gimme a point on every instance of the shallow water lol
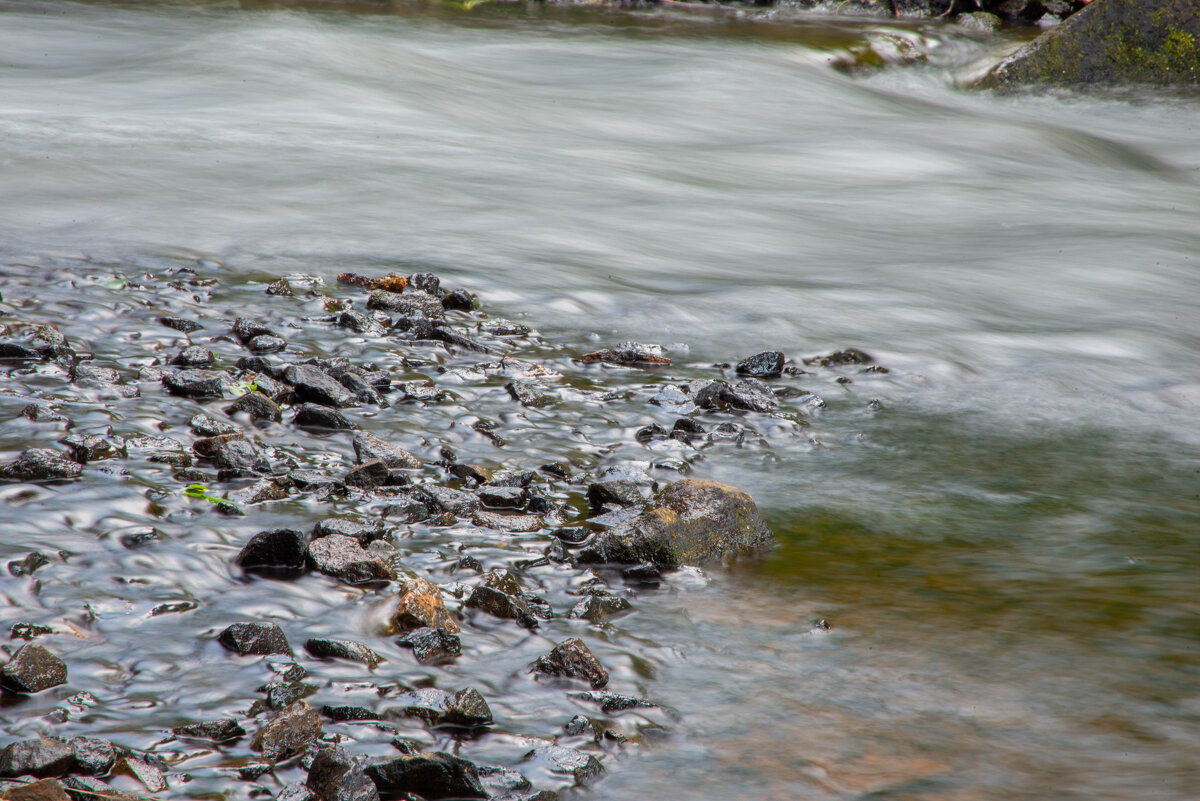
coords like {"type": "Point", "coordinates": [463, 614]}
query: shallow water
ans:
{"type": "Point", "coordinates": [1006, 551]}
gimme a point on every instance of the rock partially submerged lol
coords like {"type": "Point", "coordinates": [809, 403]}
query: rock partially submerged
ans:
{"type": "Point", "coordinates": [288, 733]}
{"type": "Point", "coordinates": [430, 776]}
{"type": "Point", "coordinates": [572, 659]}
{"type": "Point", "coordinates": [692, 521]}
{"type": "Point", "coordinates": [33, 669]}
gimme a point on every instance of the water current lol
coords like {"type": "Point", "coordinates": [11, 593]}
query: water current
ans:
{"type": "Point", "coordinates": [1005, 548]}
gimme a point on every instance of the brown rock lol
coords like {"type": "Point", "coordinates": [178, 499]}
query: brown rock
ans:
{"type": "Point", "coordinates": [41, 790]}
{"type": "Point", "coordinates": [573, 659]}
{"type": "Point", "coordinates": [288, 733]}
{"type": "Point", "coordinates": [420, 605]}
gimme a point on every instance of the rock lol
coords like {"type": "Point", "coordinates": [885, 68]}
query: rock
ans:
{"type": "Point", "coordinates": [690, 522]}
{"type": "Point", "coordinates": [346, 713]}
{"type": "Point", "coordinates": [425, 282]}
{"type": "Point", "coordinates": [1111, 42]}
{"type": "Point", "coordinates": [612, 702]}
{"type": "Point", "coordinates": [217, 731]}
{"type": "Point", "coordinates": [150, 775]}
{"type": "Point", "coordinates": [367, 446]}
{"type": "Point", "coordinates": [91, 376]}
{"type": "Point", "coordinates": [33, 669]}
{"type": "Point", "coordinates": [92, 755]}
{"type": "Point", "coordinates": [650, 433]}
{"type": "Point", "coordinates": [369, 475]}
{"type": "Point", "coordinates": [408, 304]}
{"type": "Point", "coordinates": [472, 472]}
{"type": "Point", "coordinates": [42, 757]}
{"type": "Point", "coordinates": [686, 429]}
{"type": "Point", "coordinates": [978, 21]}
{"type": "Point", "coordinates": [45, 414]}
{"type": "Point", "coordinates": [456, 502]}
{"type": "Point", "coordinates": [361, 323]}
{"type": "Point", "coordinates": [296, 792]}
{"type": "Point", "coordinates": [343, 649]}
{"type": "Point", "coordinates": [431, 776]}
{"type": "Point", "coordinates": [161, 450]}
{"type": "Point", "coordinates": [432, 646]}
{"type": "Point", "coordinates": [314, 385]}
{"type": "Point", "coordinates": [257, 405]}
{"type": "Point", "coordinates": [265, 343]}
{"type": "Point", "coordinates": [619, 493]}
{"type": "Point", "coordinates": [86, 448]}
{"type": "Point", "coordinates": [749, 394]}
{"type": "Point", "coordinates": [313, 415]}
{"type": "Point", "coordinates": [264, 490]}
{"type": "Point", "coordinates": [257, 639]}
{"type": "Point", "coordinates": [406, 509]}
{"type": "Point", "coordinates": [420, 604]}
{"type": "Point", "coordinates": [194, 383]}
{"type": "Point", "coordinates": [768, 364]}
{"type": "Point", "coordinates": [335, 775]}
{"type": "Point", "coordinates": [281, 549]}
{"type": "Point", "coordinates": [504, 580]}
{"type": "Point", "coordinates": [459, 300]}
{"type": "Point", "coordinates": [344, 558]}
{"type": "Point", "coordinates": [365, 531]}
{"type": "Point", "coordinates": [579, 765]}
{"type": "Point", "coordinates": [840, 358]}
{"type": "Point", "coordinates": [282, 287]}
{"type": "Point", "coordinates": [573, 659]}
{"type": "Point", "coordinates": [40, 790]}
{"type": "Point", "coordinates": [28, 565]}
{"type": "Point", "coordinates": [205, 425]}
{"type": "Point", "coordinates": [466, 708]}
{"type": "Point", "coordinates": [288, 733]}
{"type": "Point", "coordinates": [502, 605]}
{"type": "Point", "coordinates": [527, 395]}
{"type": "Point", "coordinates": [599, 607]}
{"type": "Point", "coordinates": [41, 464]}
{"type": "Point", "coordinates": [246, 329]}
{"type": "Point", "coordinates": [510, 523]}
{"type": "Point", "coordinates": [193, 356]}
{"type": "Point", "coordinates": [1024, 12]}
{"type": "Point", "coordinates": [235, 456]}
{"type": "Point", "coordinates": [180, 324]}
{"type": "Point", "coordinates": [363, 391]}
{"type": "Point", "coordinates": [632, 354]}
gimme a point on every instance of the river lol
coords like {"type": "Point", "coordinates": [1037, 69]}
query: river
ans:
{"type": "Point", "coordinates": [1005, 547]}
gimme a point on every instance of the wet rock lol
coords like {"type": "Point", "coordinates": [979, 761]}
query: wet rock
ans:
{"type": "Point", "coordinates": [180, 324]}
{"type": "Point", "coordinates": [336, 775]}
{"type": "Point", "coordinates": [40, 790]}
{"type": "Point", "coordinates": [690, 522]}
{"type": "Point", "coordinates": [406, 509]}
{"type": "Point", "coordinates": [282, 288]}
{"type": "Point", "coordinates": [257, 639]}
{"type": "Point", "coordinates": [246, 329]}
{"type": "Point", "coordinates": [218, 731]}
{"type": "Point", "coordinates": [28, 565]}
{"type": "Point", "coordinates": [768, 364]}
{"type": "Point", "coordinates": [431, 776]}
{"type": "Point", "coordinates": [45, 414]}
{"type": "Point", "coordinates": [361, 323]}
{"type": "Point", "coordinates": [151, 776]}
{"type": "Point", "coordinates": [599, 607]}
{"type": "Point", "coordinates": [423, 391]}
{"type": "Point", "coordinates": [432, 646]}
{"type": "Point", "coordinates": [420, 604]}
{"type": "Point", "coordinates": [686, 430]}
{"type": "Point", "coordinates": [281, 549]}
{"type": "Point", "coordinates": [33, 669]}
{"type": "Point", "coordinates": [369, 475]}
{"type": "Point", "coordinates": [161, 450]}
{"type": "Point", "coordinates": [313, 415]}
{"type": "Point", "coordinates": [527, 395]}
{"type": "Point", "coordinates": [264, 490]}
{"type": "Point", "coordinates": [572, 535]}
{"type": "Point", "coordinates": [632, 354]}
{"type": "Point", "coordinates": [465, 708]}
{"type": "Point", "coordinates": [749, 394]}
{"type": "Point", "coordinates": [90, 376]}
{"type": "Point", "coordinates": [840, 358]}
{"type": "Point", "coordinates": [314, 385]}
{"type": "Point", "coordinates": [367, 446]}
{"type": "Point", "coordinates": [314, 481]}
{"type": "Point", "coordinates": [195, 383]}
{"type": "Point", "coordinates": [619, 493]}
{"type": "Point", "coordinates": [42, 757]}
{"type": "Point", "coordinates": [288, 733]}
{"type": "Point", "coordinates": [408, 304]}
{"type": "Point", "coordinates": [193, 356]}
{"type": "Point", "coordinates": [502, 605]}
{"type": "Point", "coordinates": [509, 523]}
{"type": "Point", "coordinates": [579, 765]}
{"type": "Point", "coordinates": [365, 531]}
{"type": "Point", "coordinates": [41, 464]}
{"type": "Point", "coordinates": [347, 713]}
{"type": "Point", "coordinates": [425, 282]}
{"type": "Point", "coordinates": [257, 405]}
{"type": "Point", "coordinates": [502, 497]}
{"type": "Point", "coordinates": [266, 343]}
{"type": "Point", "coordinates": [282, 694]}
{"type": "Point", "coordinates": [16, 351]}
{"type": "Point", "coordinates": [205, 425]}
{"type": "Point", "coordinates": [86, 448]}
{"type": "Point", "coordinates": [28, 631]}
{"type": "Point", "coordinates": [235, 456]}
{"type": "Point", "coordinates": [363, 391]}
{"type": "Point", "coordinates": [456, 502]}
{"type": "Point", "coordinates": [471, 472]}
{"type": "Point", "coordinates": [459, 300]}
{"type": "Point", "coordinates": [978, 21]}
{"type": "Point", "coordinates": [92, 755]}
{"type": "Point", "coordinates": [650, 433]}
{"type": "Point", "coordinates": [573, 659]}
{"type": "Point", "coordinates": [612, 702]}
{"type": "Point", "coordinates": [504, 580]}
{"type": "Point", "coordinates": [344, 558]}
{"type": "Point", "coordinates": [343, 649]}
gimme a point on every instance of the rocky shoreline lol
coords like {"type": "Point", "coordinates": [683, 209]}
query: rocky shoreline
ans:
{"type": "Point", "coordinates": [601, 533]}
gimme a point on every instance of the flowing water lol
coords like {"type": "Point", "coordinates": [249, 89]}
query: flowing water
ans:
{"type": "Point", "coordinates": [1006, 550]}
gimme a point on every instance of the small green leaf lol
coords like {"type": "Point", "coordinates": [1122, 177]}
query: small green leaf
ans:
{"type": "Point", "coordinates": [116, 283]}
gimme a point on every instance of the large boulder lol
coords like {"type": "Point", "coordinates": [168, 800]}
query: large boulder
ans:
{"type": "Point", "coordinates": [690, 522]}
{"type": "Point", "coordinates": [1111, 41]}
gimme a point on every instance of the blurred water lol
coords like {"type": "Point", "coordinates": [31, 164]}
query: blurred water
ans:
{"type": "Point", "coordinates": [1007, 552]}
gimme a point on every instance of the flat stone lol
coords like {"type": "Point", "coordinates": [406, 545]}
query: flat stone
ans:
{"type": "Point", "coordinates": [288, 733]}
{"type": "Point", "coordinates": [622, 493]}
{"type": "Point", "coordinates": [420, 604]}
{"type": "Point", "coordinates": [33, 669]}
{"type": "Point", "coordinates": [265, 343]}
{"type": "Point", "coordinates": [365, 531]}
{"type": "Point", "coordinates": [579, 765]}
{"type": "Point", "coordinates": [572, 659]}
{"type": "Point", "coordinates": [41, 757]}
{"type": "Point", "coordinates": [456, 502]}
{"type": "Point", "coordinates": [369, 475]}
{"type": "Point", "coordinates": [768, 364]}
{"type": "Point", "coordinates": [217, 731]}
{"type": "Point", "coordinates": [494, 497]}
{"type": "Point", "coordinates": [281, 549]}
{"type": "Point", "coordinates": [630, 354]}
{"type": "Point", "coordinates": [41, 464]}
{"type": "Point", "coordinates": [432, 646]}
{"type": "Point", "coordinates": [344, 558]}
{"type": "Point", "coordinates": [509, 523]}
{"type": "Point", "coordinates": [367, 446]}
{"type": "Point", "coordinates": [180, 324]}
{"type": "Point", "coordinates": [257, 639]}
{"type": "Point", "coordinates": [314, 385]}
{"type": "Point", "coordinates": [314, 415]}
{"type": "Point", "coordinates": [431, 776]}
{"type": "Point", "coordinates": [195, 383]}
{"type": "Point", "coordinates": [409, 304]}
{"type": "Point", "coordinates": [343, 649]}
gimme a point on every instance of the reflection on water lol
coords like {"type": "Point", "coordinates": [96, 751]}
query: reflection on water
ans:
{"type": "Point", "coordinates": [1006, 551]}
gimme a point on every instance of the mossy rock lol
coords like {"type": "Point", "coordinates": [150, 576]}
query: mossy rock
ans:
{"type": "Point", "coordinates": [1111, 42]}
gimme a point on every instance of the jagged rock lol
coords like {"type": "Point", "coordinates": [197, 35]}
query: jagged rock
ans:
{"type": "Point", "coordinates": [599, 607]}
{"type": "Point", "coordinates": [265, 343]}
{"type": "Point", "coordinates": [257, 405]}
{"type": "Point", "coordinates": [193, 356]}
{"type": "Point", "coordinates": [92, 755]}
{"type": "Point", "coordinates": [441, 708]}
{"type": "Point", "coordinates": [344, 558]}
{"type": "Point", "coordinates": [422, 391]}
{"type": "Point", "coordinates": [369, 475]}
{"type": "Point", "coordinates": [426, 282]}
{"type": "Point", "coordinates": [612, 702]}
{"type": "Point", "coordinates": [432, 646]}
{"type": "Point", "coordinates": [749, 394]}
{"type": "Point", "coordinates": [282, 287]}
{"type": "Point", "coordinates": [314, 415]}
{"type": "Point", "coordinates": [148, 774]}
{"type": "Point", "coordinates": [217, 731]}
{"type": "Point", "coordinates": [281, 549]}
{"type": "Point", "coordinates": [408, 304]}
{"type": "Point", "coordinates": [45, 414]}
{"type": "Point", "coordinates": [314, 385]}
{"type": "Point", "coordinates": [258, 639]}
{"type": "Point", "coordinates": [235, 456]}
{"type": "Point", "coordinates": [267, 489]}
{"type": "Point", "coordinates": [622, 493]}
{"type": "Point", "coordinates": [527, 395]}
{"type": "Point", "coordinates": [690, 522]}
{"type": "Point", "coordinates": [336, 775]}
{"type": "Point", "coordinates": [420, 604]}
{"type": "Point", "coordinates": [33, 669]}
{"type": "Point", "coordinates": [768, 364]}
{"type": "Point", "coordinates": [296, 792]}
{"type": "Point", "coordinates": [347, 712]}
{"type": "Point", "coordinates": [573, 659]}
{"type": "Point", "coordinates": [180, 324]}
{"type": "Point", "coordinates": [361, 323]}
{"type": "Point", "coordinates": [205, 425]}
{"type": "Point", "coordinates": [579, 765]}
{"type": "Point", "coordinates": [503, 605]}
{"type": "Point", "coordinates": [687, 429]}
{"type": "Point", "coordinates": [632, 354]}
{"type": "Point", "coordinates": [367, 446]}
{"type": "Point", "coordinates": [431, 776]}
{"type": "Point", "coordinates": [42, 757]}
{"type": "Point", "coordinates": [456, 502]}
{"type": "Point", "coordinates": [504, 580]}
{"type": "Point", "coordinates": [41, 464]}
{"type": "Point", "coordinates": [40, 790]}
{"type": "Point", "coordinates": [343, 649]}
{"type": "Point", "coordinates": [287, 733]}
{"type": "Point", "coordinates": [365, 531]}
{"type": "Point", "coordinates": [194, 383]}
{"type": "Point", "coordinates": [86, 448]}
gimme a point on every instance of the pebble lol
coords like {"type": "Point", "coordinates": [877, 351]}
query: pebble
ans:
{"type": "Point", "coordinates": [258, 639]}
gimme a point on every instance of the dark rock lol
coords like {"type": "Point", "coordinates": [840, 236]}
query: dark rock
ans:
{"type": "Point", "coordinates": [343, 649]}
{"type": "Point", "coordinates": [44, 414]}
{"type": "Point", "coordinates": [978, 21]}
{"type": "Point", "coordinates": [632, 354]}
{"type": "Point", "coordinates": [423, 391]}
{"type": "Point", "coordinates": [282, 287]}
{"type": "Point", "coordinates": [92, 755]}
{"type": "Point", "coordinates": [33, 669]}
{"type": "Point", "coordinates": [205, 425]}
{"type": "Point", "coordinates": [466, 708]}
{"type": "Point", "coordinates": [840, 358]}
{"type": "Point", "coordinates": [180, 324]}
{"type": "Point", "coordinates": [28, 565]}
{"type": "Point", "coordinates": [503, 605]}
{"type": "Point", "coordinates": [431, 776]}
{"type": "Point", "coordinates": [365, 531]}
{"type": "Point", "coordinates": [579, 765]}
{"type": "Point", "coordinates": [459, 300]}
{"type": "Point", "coordinates": [42, 757]}
{"type": "Point", "coordinates": [420, 604]}
{"type": "Point", "coordinates": [296, 792]}
{"type": "Point", "coordinates": [41, 464]}
{"type": "Point", "coordinates": [161, 450]}
{"type": "Point", "coordinates": [361, 323]}
{"type": "Point", "coordinates": [28, 631]}
{"type": "Point", "coordinates": [265, 343]}
{"type": "Point", "coordinates": [690, 522]}
{"type": "Point", "coordinates": [573, 659]}
{"type": "Point", "coordinates": [1021, 11]}
{"type": "Point", "coordinates": [749, 394]}
{"type": "Point", "coordinates": [471, 472]}
{"type": "Point", "coordinates": [313, 481]}
{"type": "Point", "coordinates": [650, 433]}
{"type": "Point", "coordinates": [369, 475]}
{"type": "Point", "coordinates": [344, 558]}
{"type": "Point", "coordinates": [509, 523]}
{"type": "Point", "coordinates": [256, 364]}
{"type": "Point", "coordinates": [527, 395]}
{"type": "Point", "coordinates": [706, 393]}
{"type": "Point", "coordinates": [572, 535]}
{"type": "Point", "coordinates": [316, 386]}
{"type": "Point", "coordinates": [86, 448]}
{"type": "Point", "coordinates": [686, 429]}
{"type": "Point", "coordinates": [620, 493]}
{"type": "Point", "coordinates": [281, 694]}
{"type": "Point", "coordinates": [257, 405]}
{"type": "Point", "coordinates": [504, 580]}
{"type": "Point", "coordinates": [432, 646]}
{"type": "Point", "coordinates": [258, 639]}
{"type": "Point", "coordinates": [409, 304]}
{"type": "Point", "coordinates": [425, 282]}
{"type": "Point", "coordinates": [768, 364]}
{"type": "Point", "coordinates": [234, 455]}
{"type": "Point", "coordinates": [196, 383]}
{"type": "Point", "coordinates": [335, 775]}
{"type": "Point", "coordinates": [193, 356]}
{"type": "Point", "coordinates": [16, 351]}
{"type": "Point", "coordinates": [40, 790]}
{"type": "Point", "coordinates": [456, 502]}
{"type": "Point", "coordinates": [599, 607]}
{"type": "Point", "coordinates": [150, 775]}
{"type": "Point", "coordinates": [281, 549]}
{"type": "Point", "coordinates": [246, 329]}
{"type": "Point", "coordinates": [367, 446]}
{"type": "Point", "coordinates": [363, 391]}
{"type": "Point", "coordinates": [264, 490]}
{"type": "Point", "coordinates": [288, 733]}
{"type": "Point", "coordinates": [217, 731]}
{"type": "Point", "coordinates": [313, 415]}
{"type": "Point", "coordinates": [347, 713]}
{"type": "Point", "coordinates": [612, 702]}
